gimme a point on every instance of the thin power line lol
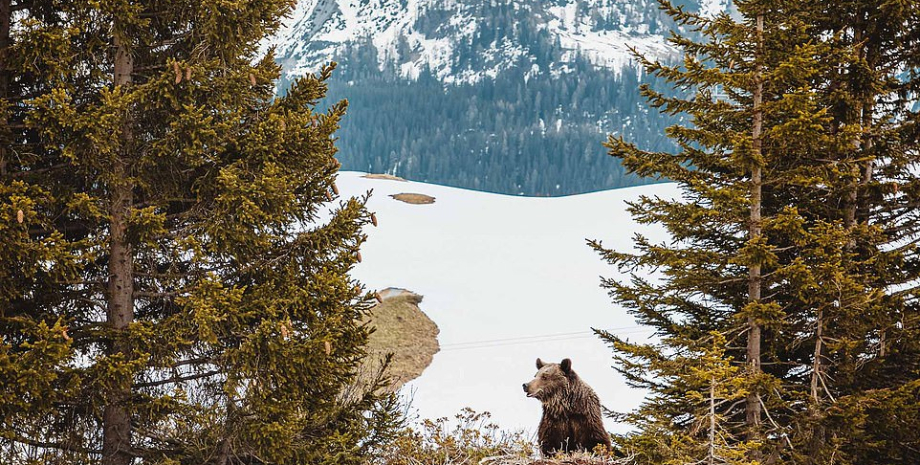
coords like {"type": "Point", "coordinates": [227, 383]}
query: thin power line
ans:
{"type": "Point", "coordinates": [522, 338]}
{"type": "Point", "coordinates": [537, 339]}
{"type": "Point", "coordinates": [539, 336]}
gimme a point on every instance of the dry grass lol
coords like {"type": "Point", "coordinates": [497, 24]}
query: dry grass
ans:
{"type": "Point", "coordinates": [405, 331]}
{"type": "Point", "coordinates": [572, 459]}
{"type": "Point", "coordinates": [415, 199]}
{"type": "Point", "coordinates": [468, 439]}
{"type": "Point", "coordinates": [388, 177]}
{"type": "Point", "coordinates": [471, 438]}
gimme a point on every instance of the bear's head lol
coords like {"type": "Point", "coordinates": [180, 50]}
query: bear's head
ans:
{"type": "Point", "coordinates": [551, 378]}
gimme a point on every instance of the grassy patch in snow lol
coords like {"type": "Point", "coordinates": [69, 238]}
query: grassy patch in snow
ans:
{"type": "Point", "coordinates": [388, 177]}
{"type": "Point", "coordinates": [415, 199]}
{"type": "Point", "coordinates": [404, 330]}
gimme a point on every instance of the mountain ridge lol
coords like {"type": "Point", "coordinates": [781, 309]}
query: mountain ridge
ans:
{"type": "Point", "coordinates": [601, 30]}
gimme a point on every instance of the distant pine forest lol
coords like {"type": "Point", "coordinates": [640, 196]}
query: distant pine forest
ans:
{"type": "Point", "coordinates": [521, 133]}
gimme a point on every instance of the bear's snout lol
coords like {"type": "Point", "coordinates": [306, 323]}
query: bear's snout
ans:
{"type": "Point", "coordinates": [532, 389]}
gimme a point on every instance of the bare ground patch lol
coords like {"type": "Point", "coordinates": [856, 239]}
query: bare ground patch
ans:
{"type": "Point", "coordinates": [415, 199]}
{"type": "Point", "coordinates": [573, 459]}
{"type": "Point", "coordinates": [388, 177]}
{"type": "Point", "coordinates": [405, 331]}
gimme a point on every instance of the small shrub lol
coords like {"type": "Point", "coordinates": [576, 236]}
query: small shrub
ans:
{"type": "Point", "coordinates": [470, 439]}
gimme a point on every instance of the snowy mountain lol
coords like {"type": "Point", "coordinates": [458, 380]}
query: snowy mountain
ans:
{"type": "Point", "coordinates": [504, 96]}
{"type": "Point", "coordinates": [506, 279]}
{"type": "Point", "coordinates": [417, 35]}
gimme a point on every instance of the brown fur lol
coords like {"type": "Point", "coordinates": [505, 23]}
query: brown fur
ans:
{"type": "Point", "coordinates": [571, 410]}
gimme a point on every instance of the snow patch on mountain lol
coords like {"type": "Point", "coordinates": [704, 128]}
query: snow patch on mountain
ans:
{"type": "Point", "coordinates": [711, 8]}
{"type": "Point", "coordinates": [609, 48]}
{"type": "Point", "coordinates": [417, 35]}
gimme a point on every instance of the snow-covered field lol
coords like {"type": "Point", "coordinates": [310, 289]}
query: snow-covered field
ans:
{"type": "Point", "coordinates": [507, 279]}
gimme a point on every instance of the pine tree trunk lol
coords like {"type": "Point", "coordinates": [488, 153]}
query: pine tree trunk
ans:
{"type": "Point", "coordinates": [116, 443]}
{"type": "Point", "coordinates": [816, 364]}
{"type": "Point", "coordinates": [6, 11]}
{"type": "Point", "coordinates": [752, 404]}
{"type": "Point", "coordinates": [852, 194]}
{"type": "Point", "coordinates": [816, 437]}
{"type": "Point", "coordinates": [857, 209]}
{"type": "Point", "coordinates": [882, 342]}
{"type": "Point", "coordinates": [868, 168]}
{"type": "Point", "coordinates": [712, 421]}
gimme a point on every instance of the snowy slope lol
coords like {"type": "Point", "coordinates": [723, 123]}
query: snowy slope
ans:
{"type": "Point", "coordinates": [511, 270]}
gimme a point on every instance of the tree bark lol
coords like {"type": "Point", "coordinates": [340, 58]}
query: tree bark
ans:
{"type": "Point", "coordinates": [6, 11]}
{"type": "Point", "coordinates": [816, 365]}
{"type": "Point", "coordinates": [712, 421]}
{"type": "Point", "coordinates": [752, 403]}
{"type": "Point", "coordinates": [857, 208]}
{"type": "Point", "coordinates": [116, 442]}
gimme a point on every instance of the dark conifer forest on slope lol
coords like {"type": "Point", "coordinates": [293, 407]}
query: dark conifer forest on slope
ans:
{"type": "Point", "coordinates": [537, 136]}
{"type": "Point", "coordinates": [535, 128]}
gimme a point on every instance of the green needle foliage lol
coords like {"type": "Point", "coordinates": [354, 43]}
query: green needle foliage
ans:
{"type": "Point", "coordinates": [172, 288]}
{"type": "Point", "coordinates": [793, 242]}
{"type": "Point", "coordinates": [871, 351]}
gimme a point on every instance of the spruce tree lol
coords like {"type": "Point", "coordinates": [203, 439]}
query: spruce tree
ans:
{"type": "Point", "coordinates": [835, 246]}
{"type": "Point", "coordinates": [173, 290]}
{"type": "Point", "coordinates": [869, 352]}
{"type": "Point", "coordinates": [33, 352]}
{"type": "Point", "coordinates": [734, 265]}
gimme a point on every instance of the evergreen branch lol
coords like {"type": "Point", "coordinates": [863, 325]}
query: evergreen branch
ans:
{"type": "Point", "coordinates": [78, 282]}
{"type": "Point", "coordinates": [775, 425]}
{"type": "Point", "coordinates": [18, 438]}
{"type": "Point", "coordinates": [195, 361]}
{"type": "Point", "coordinates": [155, 295]}
{"type": "Point", "coordinates": [36, 171]}
{"type": "Point", "coordinates": [178, 379]}
{"type": "Point", "coordinates": [826, 389]}
{"type": "Point", "coordinates": [92, 302]}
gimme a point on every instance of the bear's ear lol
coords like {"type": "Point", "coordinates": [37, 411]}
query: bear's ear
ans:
{"type": "Point", "coordinates": [539, 363]}
{"type": "Point", "coordinates": [566, 366]}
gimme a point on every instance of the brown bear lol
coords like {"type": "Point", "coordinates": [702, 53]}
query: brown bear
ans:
{"type": "Point", "coordinates": [571, 410]}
